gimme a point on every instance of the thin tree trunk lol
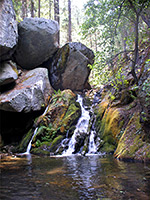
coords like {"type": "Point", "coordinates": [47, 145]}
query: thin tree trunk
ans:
{"type": "Point", "coordinates": [56, 17]}
{"type": "Point", "coordinates": [39, 8]}
{"type": "Point", "coordinates": [136, 50]}
{"type": "Point", "coordinates": [23, 9]}
{"type": "Point", "coordinates": [50, 9]}
{"type": "Point", "coordinates": [26, 8]}
{"type": "Point", "coordinates": [69, 21]}
{"type": "Point", "coordinates": [32, 8]}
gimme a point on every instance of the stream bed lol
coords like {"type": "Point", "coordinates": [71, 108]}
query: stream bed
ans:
{"type": "Point", "coordinates": [73, 177]}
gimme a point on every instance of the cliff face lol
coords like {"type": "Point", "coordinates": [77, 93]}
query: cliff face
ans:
{"type": "Point", "coordinates": [123, 113]}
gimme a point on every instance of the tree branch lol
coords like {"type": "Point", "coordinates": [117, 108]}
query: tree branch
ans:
{"type": "Point", "coordinates": [129, 51]}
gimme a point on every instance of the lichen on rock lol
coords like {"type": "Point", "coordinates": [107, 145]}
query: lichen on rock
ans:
{"type": "Point", "coordinates": [132, 144]}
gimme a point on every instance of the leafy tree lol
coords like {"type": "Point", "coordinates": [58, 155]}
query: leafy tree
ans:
{"type": "Point", "coordinates": [114, 21]}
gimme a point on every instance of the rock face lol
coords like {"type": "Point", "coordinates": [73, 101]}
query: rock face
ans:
{"type": "Point", "coordinates": [8, 73]}
{"type": "Point", "coordinates": [30, 93]}
{"type": "Point", "coordinates": [37, 42]}
{"type": "Point", "coordinates": [132, 144]}
{"type": "Point", "coordinates": [123, 127]}
{"type": "Point", "coordinates": [69, 69]}
{"type": "Point", "coordinates": [58, 121]}
{"type": "Point", "coordinates": [8, 27]}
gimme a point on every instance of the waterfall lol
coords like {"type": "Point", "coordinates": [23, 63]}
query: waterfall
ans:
{"type": "Point", "coordinates": [92, 145]}
{"type": "Point", "coordinates": [29, 145]}
{"type": "Point", "coordinates": [35, 131]}
{"type": "Point", "coordinates": [81, 128]}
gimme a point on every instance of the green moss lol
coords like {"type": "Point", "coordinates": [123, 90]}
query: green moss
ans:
{"type": "Point", "coordinates": [25, 141]}
{"type": "Point", "coordinates": [57, 140]}
{"type": "Point", "coordinates": [131, 145]}
{"type": "Point", "coordinates": [38, 151]}
{"type": "Point", "coordinates": [108, 148]}
{"type": "Point", "coordinates": [60, 119]}
{"type": "Point", "coordinates": [109, 139]}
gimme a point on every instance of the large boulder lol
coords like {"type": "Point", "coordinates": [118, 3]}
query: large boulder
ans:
{"type": "Point", "coordinates": [8, 73]}
{"type": "Point", "coordinates": [37, 42]}
{"type": "Point", "coordinates": [69, 69]}
{"type": "Point", "coordinates": [30, 93]}
{"type": "Point", "coordinates": [8, 27]}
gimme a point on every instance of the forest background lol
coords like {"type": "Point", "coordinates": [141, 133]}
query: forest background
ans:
{"type": "Point", "coordinates": [113, 29]}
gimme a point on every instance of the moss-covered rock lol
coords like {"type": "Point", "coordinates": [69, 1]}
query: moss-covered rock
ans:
{"type": "Point", "coordinates": [109, 124]}
{"type": "Point", "coordinates": [25, 141]}
{"type": "Point", "coordinates": [58, 120]}
{"type": "Point", "coordinates": [132, 144]}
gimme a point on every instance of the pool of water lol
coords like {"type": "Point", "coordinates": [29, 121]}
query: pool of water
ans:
{"type": "Point", "coordinates": [73, 178]}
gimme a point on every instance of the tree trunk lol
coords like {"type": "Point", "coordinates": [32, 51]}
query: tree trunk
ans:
{"type": "Point", "coordinates": [23, 9]}
{"type": "Point", "coordinates": [56, 17]}
{"type": "Point", "coordinates": [50, 9]}
{"type": "Point", "coordinates": [39, 8]}
{"type": "Point", "coordinates": [32, 8]}
{"type": "Point", "coordinates": [69, 21]}
{"type": "Point", "coordinates": [136, 50]}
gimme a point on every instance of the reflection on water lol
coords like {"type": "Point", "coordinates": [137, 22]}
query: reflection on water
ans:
{"type": "Point", "coordinates": [73, 178]}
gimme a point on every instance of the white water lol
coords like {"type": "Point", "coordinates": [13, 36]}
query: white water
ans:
{"type": "Point", "coordinates": [35, 131]}
{"type": "Point", "coordinates": [29, 145]}
{"type": "Point", "coordinates": [92, 145]}
{"type": "Point", "coordinates": [81, 127]}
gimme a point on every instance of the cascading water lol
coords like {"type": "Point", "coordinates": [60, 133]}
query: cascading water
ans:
{"type": "Point", "coordinates": [81, 128]}
{"type": "Point", "coordinates": [29, 145]}
{"type": "Point", "coordinates": [35, 131]}
{"type": "Point", "coordinates": [92, 145]}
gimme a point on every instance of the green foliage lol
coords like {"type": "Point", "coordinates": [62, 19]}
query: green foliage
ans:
{"type": "Point", "coordinates": [113, 22]}
{"type": "Point", "coordinates": [119, 80]}
{"type": "Point", "coordinates": [100, 71]}
{"type": "Point", "coordinates": [146, 89]}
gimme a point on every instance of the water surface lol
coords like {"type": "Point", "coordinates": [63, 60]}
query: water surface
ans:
{"type": "Point", "coordinates": [73, 178]}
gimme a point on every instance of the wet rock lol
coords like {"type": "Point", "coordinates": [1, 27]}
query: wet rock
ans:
{"type": "Point", "coordinates": [8, 27]}
{"type": "Point", "coordinates": [55, 124]}
{"type": "Point", "coordinates": [8, 73]}
{"type": "Point", "coordinates": [37, 42]}
{"type": "Point", "coordinates": [69, 69]}
{"type": "Point", "coordinates": [132, 145]}
{"type": "Point", "coordinates": [29, 94]}
{"type": "Point", "coordinates": [110, 121]}
{"type": "Point", "coordinates": [80, 139]}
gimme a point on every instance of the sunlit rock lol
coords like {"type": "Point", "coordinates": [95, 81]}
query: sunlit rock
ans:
{"type": "Point", "coordinates": [8, 73]}
{"type": "Point", "coordinates": [37, 42]}
{"type": "Point", "coordinates": [30, 93]}
{"type": "Point", "coordinates": [133, 144]}
{"type": "Point", "coordinates": [8, 29]}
